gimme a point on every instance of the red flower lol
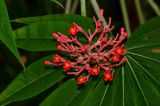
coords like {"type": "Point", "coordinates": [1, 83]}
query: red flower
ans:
{"type": "Point", "coordinates": [73, 30]}
{"type": "Point", "coordinates": [94, 71]}
{"type": "Point", "coordinates": [67, 66]}
{"type": "Point", "coordinates": [115, 58]}
{"type": "Point", "coordinates": [56, 58]}
{"type": "Point", "coordinates": [119, 51]}
{"type": "Point", "coordinates": [100, 50]}
{"type": "Point", "coordinates": [81, 80]}
{"type": "Point", "coordinates": [108, 76]}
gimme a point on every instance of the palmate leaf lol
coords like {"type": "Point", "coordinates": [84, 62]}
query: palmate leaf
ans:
{"type": "Point", "coordinates": [6, 35]}
{"type": "Point", "coordinates": [37, 36]}
{"type": "Point", "coordinates": [136, 83]}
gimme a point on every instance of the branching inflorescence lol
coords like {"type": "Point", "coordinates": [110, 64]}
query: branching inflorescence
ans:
{"type": "Point", "coordinates": [91, 58]}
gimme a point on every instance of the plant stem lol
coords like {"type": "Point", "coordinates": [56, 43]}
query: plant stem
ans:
{"type": "Point", "coordinates": [139, 11]}
{"type": "Point", "coordinates": [154, 7]}
{"type": "Point", "coordinates": [74, 7]}
{"type": "Point", "coordinates": [97, 10]}
{"type": "Point", "coordinates": [68, 6]}
{"type": "Point", "coordinates": [83, 7]}
{"type": "Point", "coordinates": [125, 17]}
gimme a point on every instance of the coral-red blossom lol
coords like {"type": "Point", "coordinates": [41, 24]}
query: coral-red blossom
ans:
{"type": "Point", "coordinates": [67, 66]}
{"type": "Point", "coordinates": [81, 80]}
{"type": "Point", "coordinates": [104, 53]}
{"type": "Point", "coordinates": [56, 58]}
{"type": "Point", "coordinates": [73, 30]}
{"type": "Point", "coordinates": [94, 71]}
{"type": "Point", "coordinates": [119, 51]}
{"type": "Point", "coordinates": [108, 76]}
{"type": "Point", "coordinates": [115, 58]}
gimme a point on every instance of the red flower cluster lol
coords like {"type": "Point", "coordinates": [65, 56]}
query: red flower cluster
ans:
{"type": "Point", "coordinates": [93, 57]}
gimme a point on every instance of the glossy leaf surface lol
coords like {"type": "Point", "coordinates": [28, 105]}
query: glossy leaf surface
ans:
{"type": "Point", "coordinates": [38, 35]}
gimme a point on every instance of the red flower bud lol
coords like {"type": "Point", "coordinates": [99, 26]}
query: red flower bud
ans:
{"type": "Point", "coordinates": [54, 35]}
{"type": "Point", "coordinates": [87, 67]}
{"type": "Point", "coordinates": [125, 34]}
{"type": "Point", "coordinates": [101, 11]}
{"type": "Point", "coordinates": [59, 47]}
{"type": "Point", "coordinates": [123, 60]}
{"type": "Point", "coordinates": [56, 58]}
{"type": "Point", "coordinates": [122, 30]}
{"type": "Point", "coordinates": [59, 39]}
{"type": "Point", "coordinates": [108, 76]}
{"type": "Point", "coordinates": [46, 62]}
{"type": "Point", "coordinates": [73, 30]}
{"type": "Point", "coordinates": [94, 71]}
{"type": "Point", "coordinates": [104, 60]}
{"type": "Point", "coordinates": [81, 80]}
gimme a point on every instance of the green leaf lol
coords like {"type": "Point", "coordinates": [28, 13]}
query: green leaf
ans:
{"type": "Point", "coordinates": [146, 80]}
{"type": "Point", "coordinates": [6, 35]}
{"type": "Point", "coordinates": [38, 36]}
{"type": "Point", "coordinates": [56, 17]}
{"type": "Point", "coordinates": [145, 41]}
{"type": "Point", "coordinates": [146, 35]}
{"type": "Point", "coordinates": [63, 95]}
{"type": "Point", "coordinates": [57, 2]}
{"type": "Point", "coordinates": [34, 80]}
{"type": "Point", "coordinates": [84, 94]}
